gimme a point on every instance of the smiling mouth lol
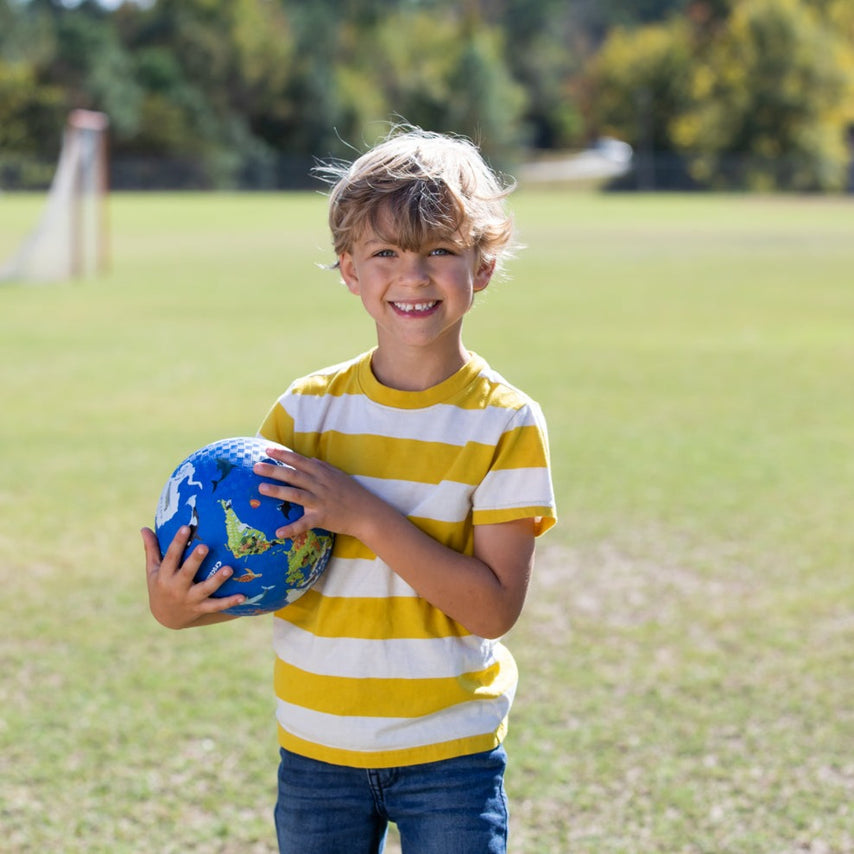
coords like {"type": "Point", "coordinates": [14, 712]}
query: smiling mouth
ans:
{"type": "Point", "coordinates": [415, 307]}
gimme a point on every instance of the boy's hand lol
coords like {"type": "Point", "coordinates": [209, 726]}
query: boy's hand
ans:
{"type": "Point", "coordinates": [176, 601]}
{"type": "Point", "coordinates": [330, 498]}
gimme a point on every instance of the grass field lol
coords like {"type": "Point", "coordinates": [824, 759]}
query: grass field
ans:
{"type": "Point", "coordinates": [687, 651]}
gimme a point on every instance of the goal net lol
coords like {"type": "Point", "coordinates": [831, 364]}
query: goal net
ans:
{"type": "Point", "coordinates": [70, 240]}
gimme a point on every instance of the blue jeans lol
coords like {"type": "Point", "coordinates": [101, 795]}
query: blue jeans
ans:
{"type": "Point", "coordinates": [456, 806]}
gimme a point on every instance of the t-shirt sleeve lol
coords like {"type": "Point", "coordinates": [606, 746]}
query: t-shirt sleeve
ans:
{"type": "Point", "coordinates": [518, 484]}
{"type": "Point", "coordinates": [278, 425]}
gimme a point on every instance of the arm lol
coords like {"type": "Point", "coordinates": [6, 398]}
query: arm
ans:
{"type": "Point", "coordinates": [175, 600]}
{"type": "Point", "coordinates": [484, 592]}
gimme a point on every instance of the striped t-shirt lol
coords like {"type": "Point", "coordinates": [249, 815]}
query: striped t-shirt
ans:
{"type": "Point", "coordinates": [367, 673]}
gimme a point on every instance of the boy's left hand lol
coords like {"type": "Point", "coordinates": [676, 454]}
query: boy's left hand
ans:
{"type": "Point", "coordinates": [330, 498]}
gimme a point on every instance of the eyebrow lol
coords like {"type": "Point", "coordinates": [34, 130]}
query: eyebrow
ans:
{"type": "Point", "coordinates": [395, 240]}
{"type": "Point", "coordinates": [382, 241]}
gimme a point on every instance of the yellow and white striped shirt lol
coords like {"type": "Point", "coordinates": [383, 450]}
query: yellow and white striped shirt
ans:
{"type": "Point", "coordinates": [368, 674]}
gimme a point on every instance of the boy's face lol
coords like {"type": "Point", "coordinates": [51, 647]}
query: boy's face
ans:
{"type": "Point", "coordinates": [417, 298]}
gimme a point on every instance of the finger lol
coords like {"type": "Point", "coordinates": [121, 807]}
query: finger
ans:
{"type": "Point", "coordinates": [285, 455]}
{"type": "Point", "coordinates": [285, 492]}
{"type": "Point", "coordinates": [175, 550]}
{"type": "Point", "coordinates": [294, 529]}
{"type": "Point", "coordinates": [192, 564]}
{"type": "Point", "coordinates": [213, 606]}
{"type": "Point", "coordinates": [285, 474]}
{"type": "Point", "coordinates": [271, 471]}
{"type": "Point", "coordinates": [207, 588]}
{"type": "Point", "coordinates": [152, 551]}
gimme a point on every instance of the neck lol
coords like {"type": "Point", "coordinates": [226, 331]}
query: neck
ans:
{"type": "Point", "coordinates": [416, 371]}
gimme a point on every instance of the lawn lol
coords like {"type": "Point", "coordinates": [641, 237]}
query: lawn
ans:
{"type": "Point", "coordinates": [687, 650]}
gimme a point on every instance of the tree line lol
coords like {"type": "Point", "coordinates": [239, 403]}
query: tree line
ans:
{"type": "Point", "coordinates": [712, 93]}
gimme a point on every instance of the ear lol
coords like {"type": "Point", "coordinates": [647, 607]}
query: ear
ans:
{"type": "Point", "coordinates": [483, 274]}
{"type": "Point", "coordinates": [348, 272]}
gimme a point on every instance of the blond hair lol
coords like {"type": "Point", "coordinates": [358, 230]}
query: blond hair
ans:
{"type": "Point", "coordinates": [420, 186]}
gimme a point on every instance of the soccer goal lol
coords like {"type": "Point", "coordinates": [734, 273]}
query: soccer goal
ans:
{"type": "Point", "coordinates": [71, 239]}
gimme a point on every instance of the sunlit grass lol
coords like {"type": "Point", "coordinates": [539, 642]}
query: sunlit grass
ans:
{"type": "Point", "coordinates": [687, 648]}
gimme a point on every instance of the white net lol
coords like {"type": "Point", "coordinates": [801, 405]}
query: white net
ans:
{"type": "Point", "coordinates": [70, 240]}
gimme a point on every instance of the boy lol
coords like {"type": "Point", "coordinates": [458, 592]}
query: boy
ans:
{"type": "Point", "coordinates": [392, 688]}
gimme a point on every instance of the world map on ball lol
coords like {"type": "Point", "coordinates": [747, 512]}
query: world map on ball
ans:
{"type": "Point", "coordinates": [215, 492]}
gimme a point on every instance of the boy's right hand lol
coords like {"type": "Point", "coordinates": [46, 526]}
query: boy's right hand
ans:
{"type": "Point", "coordinates": [175, 599]}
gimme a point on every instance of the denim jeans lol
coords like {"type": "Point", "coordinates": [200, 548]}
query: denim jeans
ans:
{"type": "Point", "coordinates": [455, 806]}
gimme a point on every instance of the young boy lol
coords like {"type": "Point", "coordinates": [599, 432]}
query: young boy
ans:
{"type": "Point", "coordinates": [392, 689]}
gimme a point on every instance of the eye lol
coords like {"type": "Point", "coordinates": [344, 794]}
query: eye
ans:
{"type": "Point", "coordinates": [441, 250]}
{"type": "Point", "coordinates": [384, 253]}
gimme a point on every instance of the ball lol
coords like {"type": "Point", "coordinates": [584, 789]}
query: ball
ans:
{"type": "Point", "coordinates": [215, 492]}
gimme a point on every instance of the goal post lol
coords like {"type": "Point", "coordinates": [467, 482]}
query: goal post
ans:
{"type": "Point", "coordinates": [71, 239]}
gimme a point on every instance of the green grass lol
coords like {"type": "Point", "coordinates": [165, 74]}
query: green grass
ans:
{"type": "Point", "coordinates": [688, 647]}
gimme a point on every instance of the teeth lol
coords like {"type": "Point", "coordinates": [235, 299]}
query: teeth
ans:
{"type": "Point", "coordinates": [418, 306]}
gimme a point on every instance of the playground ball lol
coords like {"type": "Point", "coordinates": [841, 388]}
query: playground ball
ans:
{"type": "Point", "coordinates": [215, 492]}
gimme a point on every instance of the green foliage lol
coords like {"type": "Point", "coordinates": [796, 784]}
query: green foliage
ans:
{"type": "Point", "coordinates": [212, 76]}
{"type": "Point", "coordinates": [17, 105]}
{"type": "Point", "coordinates": [777, 86]}
{"type": "Point", "coordinates": [760, 99]}
{"type": "Point", "coordinates": [237, 81]}
{"type": "Point", "coordinates": [743, 93]}
{"type": "Point", "coordinates": [393, 79]}
{"type": "Point", "coordinates": [454, 81]}
{"type": "Point", "coordinates": [31, 111]}
{"type": "Point", "coordinates": [641, 80]}
{"type": "Point", "coordinates": [545, 43]}
{"type": "Point", "coordinates": [488, 104]}
{"type": "Point", "coordinates": [168, 107]}
{"type": "Point", "coordinates": [96, 72]}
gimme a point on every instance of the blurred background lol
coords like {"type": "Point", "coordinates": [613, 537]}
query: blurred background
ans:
{"type": "Point", "coordinates": [243, 94]}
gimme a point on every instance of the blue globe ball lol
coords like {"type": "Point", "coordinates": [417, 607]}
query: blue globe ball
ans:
{"type": "Point", "coordinates": [215, 492]}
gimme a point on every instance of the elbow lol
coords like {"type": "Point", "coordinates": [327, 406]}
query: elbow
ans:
{"type": "Point", "coordinates": [492, 625]}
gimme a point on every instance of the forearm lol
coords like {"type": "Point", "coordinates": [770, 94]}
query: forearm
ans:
{"type": "Point", "coordinates": [171, 620]}
{"type": "Point", "coordinates": [211, 619]}
{"type": "Point", "coordinates": [465, 587]}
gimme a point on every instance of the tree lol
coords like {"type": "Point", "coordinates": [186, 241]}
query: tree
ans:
{"type": "Point", "coordinates": [25, 106]}
{"type": "Point", "coordinates": [544, 48]}
{"type": "Point", "coordinates": [232, 87]}
{"type": "Point", "coordinates": [771, 102]}
{"type": "Point", "coordinates": [456, 81]}
{"type": "Point", "coordinates": [212, 75]}
{"type": "Point", "coordinates": [32, 111]}
{"type": "Point", "coordinates": [485, 104]}
{"type": "Point", "coordinates": [93, 67]}
{"type": "Point", "coordinates": [640, 84]}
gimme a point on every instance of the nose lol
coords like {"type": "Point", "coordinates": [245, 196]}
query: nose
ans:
{"type": "Point", "coordinates": [413, 269]}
